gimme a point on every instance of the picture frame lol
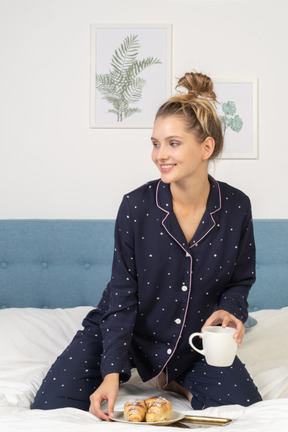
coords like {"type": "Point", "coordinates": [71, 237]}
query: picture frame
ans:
{"type": "Point", "coordinates": [238, 111]}
{"type": "Point", "coordinates": [130, 73]}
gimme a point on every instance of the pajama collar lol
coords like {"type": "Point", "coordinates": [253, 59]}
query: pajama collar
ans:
{"type": "Point", "coordinates": [170, 223]}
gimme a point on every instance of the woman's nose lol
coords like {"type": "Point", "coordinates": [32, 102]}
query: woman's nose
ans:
{"type": "Point", "coordinates": [162, 153]}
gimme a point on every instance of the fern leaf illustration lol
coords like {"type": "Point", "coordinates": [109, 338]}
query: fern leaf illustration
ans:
{"type": "Point", "coordinates": [130, 111]}
{"type": "Point", "coordinates": [138, 66]}
{"type": "Point", "coordinates": [126, 54]}
{"type": "Point", "coordinates": [122, 86]}
{"type": "Point", "coordinates": [133, 92]}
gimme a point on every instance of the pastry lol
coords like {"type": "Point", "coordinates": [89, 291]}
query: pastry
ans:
{"type": "Point", "coordinates": [158, 409]}
{"type": "Point", "coordinates": [135, 410]}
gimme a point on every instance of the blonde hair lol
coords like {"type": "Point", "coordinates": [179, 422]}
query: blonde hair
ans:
{"type": "Point", "coordinates": [197, 105]}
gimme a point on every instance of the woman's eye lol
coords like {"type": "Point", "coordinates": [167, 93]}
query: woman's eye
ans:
{"type": "Point", "coordinates": [174, 143]}
{"type": "Point", "coordinates": [155, 144]}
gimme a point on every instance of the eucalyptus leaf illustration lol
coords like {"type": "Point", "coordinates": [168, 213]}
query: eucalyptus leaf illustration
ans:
{"type": "Point", "coordinates": [122, 86]}
{"type": "Point", "coordinates": [231, 119]}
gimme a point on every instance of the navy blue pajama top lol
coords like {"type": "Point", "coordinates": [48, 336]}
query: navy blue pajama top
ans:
{"type": "Point", "coordinates": [162, 289]}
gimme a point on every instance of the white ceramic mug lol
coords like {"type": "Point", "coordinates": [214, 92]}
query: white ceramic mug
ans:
{"type": "Point", "coordinates": [219, 345]}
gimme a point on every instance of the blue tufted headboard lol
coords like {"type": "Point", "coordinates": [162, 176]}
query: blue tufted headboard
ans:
{"type": "Point", "coordinates": [54, 263]}
{"type": "Point", "coordinates": [270, 290]}
{"type": "Point", "coordinates": [67, 263]}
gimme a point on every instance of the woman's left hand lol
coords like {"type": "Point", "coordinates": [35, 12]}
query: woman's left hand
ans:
{"type": "Point", "coordinates": [226, 319]}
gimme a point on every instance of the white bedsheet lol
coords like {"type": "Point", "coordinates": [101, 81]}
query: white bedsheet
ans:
{"type": "Point", "coordinates": [31, 339]}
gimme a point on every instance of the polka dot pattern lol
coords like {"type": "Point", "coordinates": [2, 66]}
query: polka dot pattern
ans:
{"type": "Point", "coordinates": [212, 386]}
{"type": "Point", "coordinates": [162, 289]}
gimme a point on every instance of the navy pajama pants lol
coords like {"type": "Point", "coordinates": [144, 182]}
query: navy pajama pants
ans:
{"type": "Point", "coordinates": [75, 375]}
{"type": "Point", "coordinates": [214, 386]}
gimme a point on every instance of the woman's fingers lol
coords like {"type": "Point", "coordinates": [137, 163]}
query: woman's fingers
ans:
{"type": "Point", "coordinates": [107, 391]}
{"type": "Point", "coordinates": [226, 319]}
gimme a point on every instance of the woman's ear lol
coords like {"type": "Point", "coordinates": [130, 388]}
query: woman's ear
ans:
{"type": "Point", "coordinates": [208, 148]}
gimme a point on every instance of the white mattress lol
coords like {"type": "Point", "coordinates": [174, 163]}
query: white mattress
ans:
{"type": "Point", "coordinates": [31, 339]}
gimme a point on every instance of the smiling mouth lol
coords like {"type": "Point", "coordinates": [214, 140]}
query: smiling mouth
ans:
{"type": "Point", "coordinates": [165, 167]}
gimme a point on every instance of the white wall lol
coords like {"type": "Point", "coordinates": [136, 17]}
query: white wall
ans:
{"type": "Point", "coordinates": [52, 165]}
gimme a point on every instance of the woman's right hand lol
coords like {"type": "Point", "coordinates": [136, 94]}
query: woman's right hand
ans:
{"type": "Point", "coordinates": [107, 391]}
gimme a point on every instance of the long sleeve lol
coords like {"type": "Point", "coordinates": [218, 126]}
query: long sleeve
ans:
{"type": "Point", "coordinates": [118, 322]}
{"type": "Point", "coordinates": [162, 288]}
{"type": "Point", "coordinates": [234, 297]}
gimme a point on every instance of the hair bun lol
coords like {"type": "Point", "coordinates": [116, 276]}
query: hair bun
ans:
{"type": "Point", "coordinates": [197, 85]}
{"type": "Point", "coordinates": [197, 108]}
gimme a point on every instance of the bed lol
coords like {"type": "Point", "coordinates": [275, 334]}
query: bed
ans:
{"type": "Point", "coordinates": [52, 272]}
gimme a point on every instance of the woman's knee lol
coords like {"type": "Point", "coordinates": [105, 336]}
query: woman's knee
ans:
{"type": "Point", "coordinates": [74, 376]}
{"type": "Point", "coordinates": [213, 386]}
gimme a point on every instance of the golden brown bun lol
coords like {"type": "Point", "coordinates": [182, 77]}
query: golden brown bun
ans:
{"type": "Point", "coordinates": [135, 410]}
{"type": "Point", "coordinates": [158, 409]}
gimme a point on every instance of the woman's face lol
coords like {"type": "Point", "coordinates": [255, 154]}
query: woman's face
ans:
{"type": "Point", "coordinates": [176, 152]}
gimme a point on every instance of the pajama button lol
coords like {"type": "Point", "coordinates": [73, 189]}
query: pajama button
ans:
{"type": "Point", "coordinates": [184, 288]}
{"type": "Point", "coordinates": [169, 351]}
{"type": "Point", "coordinates": [178, 321]}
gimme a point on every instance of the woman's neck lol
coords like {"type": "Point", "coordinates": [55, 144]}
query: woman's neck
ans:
{"type": "Point", "coordinates": [189, 205]}
{"type": "Point", "coordinates": [193, 193]}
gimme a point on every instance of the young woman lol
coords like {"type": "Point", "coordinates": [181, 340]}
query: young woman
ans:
{"type": "Point", "coordinates": [184, 258]}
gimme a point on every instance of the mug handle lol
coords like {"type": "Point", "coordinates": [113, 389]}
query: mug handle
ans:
{"type": "Point", "coordinates": [191, 343]}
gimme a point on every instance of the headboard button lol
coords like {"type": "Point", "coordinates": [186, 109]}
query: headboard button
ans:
{"type": "Point", "coordinates": [87, 266]}
{"type": "Point", "coordinates": [4, 265]}
{"type": "Point", "coordinates": [44, 265]}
